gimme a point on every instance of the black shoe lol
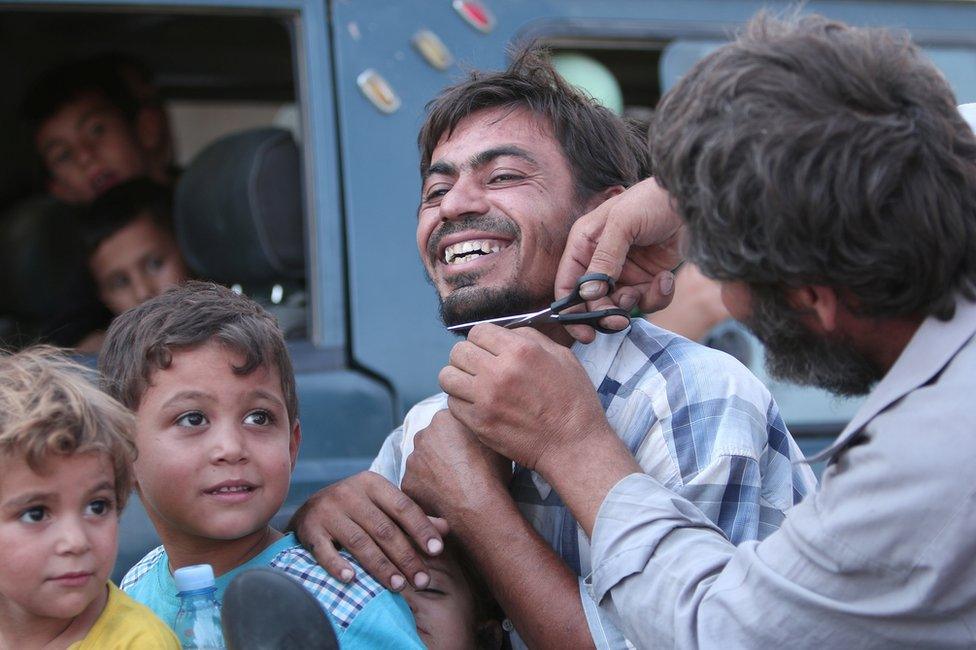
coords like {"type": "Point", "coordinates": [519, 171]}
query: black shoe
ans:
{"type": "Point", "coordinates": [264, 609]}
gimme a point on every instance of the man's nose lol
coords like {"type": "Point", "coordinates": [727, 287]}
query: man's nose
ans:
{"type": "Point", "coordinates": [72, 537]}
{"type": "Point", "coordinates": [466, 197]}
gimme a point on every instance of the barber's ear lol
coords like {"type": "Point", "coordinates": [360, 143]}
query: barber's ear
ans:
{"type": "Point", "coordinates": [150, 122]}
{"type": "Point", "coordinates": [64, 192]}
{"type": "Point", "coordinates": [600, 197]}
{"type": "Point", "coordinates": [819, 304]}
{"type": "Point", "coordinates": [295, 442]}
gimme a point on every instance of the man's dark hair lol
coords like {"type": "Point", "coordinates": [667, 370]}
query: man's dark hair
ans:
{"type": "Point", "coordinates": [142, 340]}
{"type": "Point", "coordinates": [601, 148]}
{"type": "Point", "coordinates": [121, 205]}
{"type": "Point", "coordinates": [811, 152]}
{"type": "Point", "coordinates": [68, 83]}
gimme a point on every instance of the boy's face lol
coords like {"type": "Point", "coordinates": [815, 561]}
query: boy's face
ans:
{"type": "Point", "coordinates": [444, 611]}
{"type": "Point", "coordinates": [58, 534]}
{"type": "Point", "coordinates": [88, 147]}
{"type": "Point", "coordinates": [215, 449]}
{"type": "Point", "coordinates": [137, 262]}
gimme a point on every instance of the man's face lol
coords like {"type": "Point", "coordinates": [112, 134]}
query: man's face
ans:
{"type": "Point", "coordinates": [139, 261]}
{"type": "Point", "coordinates": [88, 147]}
{"type": "Point", "coordinates": [496, 208]}
{"type": "Point", "coordinates": [793, 352]}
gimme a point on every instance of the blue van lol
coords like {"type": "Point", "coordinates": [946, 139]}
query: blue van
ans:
{"type": "Point", "coordinates": [295, 122]}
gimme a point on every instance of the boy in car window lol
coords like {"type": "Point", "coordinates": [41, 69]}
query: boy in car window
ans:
{"type": "Point", "coordinates": [130, 244]}
{"type": "Point", "coordinates": [90, 132]}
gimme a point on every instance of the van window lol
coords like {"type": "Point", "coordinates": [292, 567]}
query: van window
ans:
{"type": "Point", "coordinates": [225, 83]}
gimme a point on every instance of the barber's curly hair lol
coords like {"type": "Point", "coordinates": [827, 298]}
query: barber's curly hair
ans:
{"type": "Point", "coordinates": [811, 152]}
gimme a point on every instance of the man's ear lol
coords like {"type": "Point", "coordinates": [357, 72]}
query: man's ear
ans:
{"type": "Point", "coordinates": [818, 304]}
{"type": "Point", "coordinates": [149, 127]}
{"type": "Point", "coordinates": [600, 197]}
{"type": "Point", "coordinates": [295, 442]}
{"type": "Point", "coordinates": [64, 192]}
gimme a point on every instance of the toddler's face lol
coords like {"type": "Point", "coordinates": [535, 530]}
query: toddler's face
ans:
{"type": "Point", "coordinates": [136, 263]}
{"type": "Point", "coordinates": [215, 448]}
{"type": "Point", "coordinates": [444, 611]}
{"type": "Point", "coordinates": [58, 534]}
{"type": "Point", "coordinates": [88, 147]}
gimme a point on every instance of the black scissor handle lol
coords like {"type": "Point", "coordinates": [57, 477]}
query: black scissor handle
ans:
{"type": "Point", "coordinates": [574, 298]}
{"type": "Point", "coordinates": [593, 318]}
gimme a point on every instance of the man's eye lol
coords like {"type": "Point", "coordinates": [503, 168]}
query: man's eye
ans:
{"type": "Point", "coordinates": [59, 157]}
{"type": "Point", "coordinates": [96, 128]}
{"type": "Point", "coordinates": [502, 178]}
{"type": "Point", "coordinates": [192, 419]}
{"type": "Point", "coordinates": [258, 418]}
{"type": "Point", "coordinates": [98, 507]}
{"type": "Point", "coordinates": [154, 263]}
{"type": "Point", "coordinates": [435, 192]}
{"type": "Point", "coordinates": [33, 515]}
{"type": "Point", "coordinates": [117, 282]}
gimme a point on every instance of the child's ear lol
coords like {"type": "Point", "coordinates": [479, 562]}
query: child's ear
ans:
{"type": "Point", "coordinates": [295, 442]}
{"type": "Point", "coordinates": [149, 127]}
{"type": "Point", "coordinates": [64, 192]}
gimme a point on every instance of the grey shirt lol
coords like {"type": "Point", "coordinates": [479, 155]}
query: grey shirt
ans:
{"type": "Point", "coordinates": [883, 555]}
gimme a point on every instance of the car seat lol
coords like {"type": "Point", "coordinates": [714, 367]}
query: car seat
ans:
{"type": "Point", "coordinates": [238, 218]}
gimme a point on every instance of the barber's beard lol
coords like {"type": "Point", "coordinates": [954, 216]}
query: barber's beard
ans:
{"type": "Point", "coordinates": [794, 353]}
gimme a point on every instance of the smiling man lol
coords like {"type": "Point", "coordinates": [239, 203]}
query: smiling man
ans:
{"type": "Point", "coordinates": [509, 161]}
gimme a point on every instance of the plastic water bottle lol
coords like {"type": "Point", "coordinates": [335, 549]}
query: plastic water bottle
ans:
{"type": "Point", "coordinates": [198, 621]}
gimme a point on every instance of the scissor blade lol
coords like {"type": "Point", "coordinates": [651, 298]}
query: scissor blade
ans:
{"type": "Point", "coordinates": [517, 320]}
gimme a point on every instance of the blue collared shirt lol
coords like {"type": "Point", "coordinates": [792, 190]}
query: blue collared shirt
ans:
{"type": "Point", "coordinates": [695, 419]}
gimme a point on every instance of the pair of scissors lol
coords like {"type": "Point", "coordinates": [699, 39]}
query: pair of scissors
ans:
{"type": "Point", "coordinates": [553, 313]}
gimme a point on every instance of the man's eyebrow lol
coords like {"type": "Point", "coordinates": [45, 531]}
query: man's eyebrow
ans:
{"type": "Point", "coordinates": [483, 158]}
{"type": "Point", "coordinates": [188, 395]}
{"type": "Point", "coordinates": [441, 167]}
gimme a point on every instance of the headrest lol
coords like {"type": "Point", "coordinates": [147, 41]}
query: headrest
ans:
{"type": "Point", "coordinates": [238, 209]}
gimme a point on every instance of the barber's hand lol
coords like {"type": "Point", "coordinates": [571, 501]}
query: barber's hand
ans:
{"type": "Point", "coordinates": [451, 473]}
{"type": "Point", "coordinates": [635, 238]}
{"type": "Point", "coordinates": [377, 523]}
{"type": "Point", "coordinates": [523, 395]}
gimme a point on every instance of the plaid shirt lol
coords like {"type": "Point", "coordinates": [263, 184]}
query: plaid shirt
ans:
{"type": "Point", "coordinates": [390, 622]}
{"type": "Point", "coordinates": [695, 419]}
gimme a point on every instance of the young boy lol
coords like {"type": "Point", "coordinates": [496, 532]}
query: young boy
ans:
{"type": "Point", "coordinates": [65, 474]}
{"type": "Point", "coordinates": [91, 133]}
{"type": "Point", "coordinates": [208, 375]}
{"type": "Point", "coordinates": [130, 244]}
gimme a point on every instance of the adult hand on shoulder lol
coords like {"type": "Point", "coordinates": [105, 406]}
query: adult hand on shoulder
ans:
{"type": "Point", "coordinates": [523, 395]}
{"type": "Point", "coordinates": [375, 522]}
{"type": "Point", "coordinates": [635, 238]}
{"type": "Point", "coordinates": [450, 472]}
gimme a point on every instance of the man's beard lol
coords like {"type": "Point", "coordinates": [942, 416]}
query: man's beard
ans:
{"type": "Point", "coordinates": [474, 303]}
{"type": "Point", "coordinates": [794, 353]}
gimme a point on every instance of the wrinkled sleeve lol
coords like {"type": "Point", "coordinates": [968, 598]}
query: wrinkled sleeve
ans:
{"type": "Point", "coordinates": [389, 461]}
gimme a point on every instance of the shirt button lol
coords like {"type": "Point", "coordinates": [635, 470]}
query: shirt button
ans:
{"type": "Point", "coordinates": [507, 625]}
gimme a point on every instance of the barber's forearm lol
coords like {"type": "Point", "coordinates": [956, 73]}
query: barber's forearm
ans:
{"type": "Point", "coordinates": [583, 475]}
{"type": "Point", "coordinates": [538, 592]}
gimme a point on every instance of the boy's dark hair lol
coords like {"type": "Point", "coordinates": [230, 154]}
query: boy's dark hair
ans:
{"type": "Point", "coordinates": [142, 340]}
{"type": "Point", "coordinates": [71, 81]}
{"type": "Point", "coordinates": [601, 148]}
{"type": "Point", "coordinates": [811, 152]}
{"type": "Point", "coordinates": [121, 205]}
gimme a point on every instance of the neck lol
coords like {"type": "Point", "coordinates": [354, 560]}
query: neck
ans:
{"type": "Point", "coordinates": [22, 629]}
{"type": "Point", "coordinates": [884, 350]}
{"type": "Point", "coordinates": [222, 554]}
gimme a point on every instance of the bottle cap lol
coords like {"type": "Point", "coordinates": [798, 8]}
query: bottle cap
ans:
{"type": "Point", "coordinates": [192, 578]}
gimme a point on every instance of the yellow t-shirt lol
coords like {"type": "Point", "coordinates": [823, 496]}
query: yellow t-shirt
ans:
{"type": "Point", "coordinates": [125, 624]}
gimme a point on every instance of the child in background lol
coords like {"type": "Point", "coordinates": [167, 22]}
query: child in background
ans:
{"type": "Point", "coordinates": [91, 133]}
{"type": "Point", "coordinates": [455, 610]}
{"type": "Point", "coordinates": [65, 474]}
{"type": "Point", "coordinates": [208, 375]}
{"type": "Point", "coordinates": [130, 244]}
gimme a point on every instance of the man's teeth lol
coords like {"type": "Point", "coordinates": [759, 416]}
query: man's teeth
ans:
{"type": "Point", "coordinates": [464, 251]}
{"type": "Point", "coordinates": [231, 489]}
